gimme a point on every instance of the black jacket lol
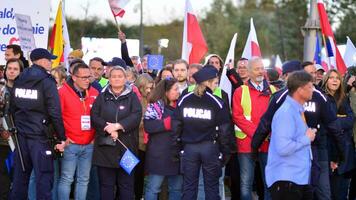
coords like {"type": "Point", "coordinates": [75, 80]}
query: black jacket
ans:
{"type": "Point", "coordinates": [346, 119]}
{"type": "Point", "coordinates": [125, 54]}
{"type": "Point", "coordinates": [205, 118]}
{"type": "Point", "coordinates": [318, 113]}
{"type": "Point", "coordinates": [124, 109]}
{"type": "Point", "coordinates": [160, 151]}
{"type": "Point", "coordinates": [234, 78]}
{"type": "Point", "coordinates": [35, 104]}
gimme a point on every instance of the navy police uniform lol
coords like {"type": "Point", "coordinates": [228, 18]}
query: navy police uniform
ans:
{"type": "Point", "coordinates": [203, 126]}
{"type": "Point", "coordinates": [35, 103]}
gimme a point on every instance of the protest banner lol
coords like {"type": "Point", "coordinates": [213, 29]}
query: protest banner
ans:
{"type": "Point", "coordinates": [38, 10]}
{"type": "Point", "coordinates": [24, 29]}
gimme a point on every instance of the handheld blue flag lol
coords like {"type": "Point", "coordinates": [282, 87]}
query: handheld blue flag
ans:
{"type": "Point", "coordinates": [155, 62]}
{"type": "Point", "coordinates": [128, 161]}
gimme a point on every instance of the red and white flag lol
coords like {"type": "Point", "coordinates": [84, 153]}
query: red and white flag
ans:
{"type": "Point", "coordinates": [194, 46]}
{"type": "Point", "coordinates": [278, 65]}
{"type": "Point", "coordinates": [333, 54]}
{"type": "Point", "coordinates": [252, 48]}
{"type": "Point", "coordinates": [117, 7]}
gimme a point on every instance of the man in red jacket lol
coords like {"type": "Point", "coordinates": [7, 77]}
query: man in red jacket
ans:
{"type": "Point", "coordinates": [250, 101]}
{"type": "Point", "coordinates": [76, 98]}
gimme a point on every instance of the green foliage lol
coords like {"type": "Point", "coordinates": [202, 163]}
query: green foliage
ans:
{"type": "Point", "coordinates": [278, 24]}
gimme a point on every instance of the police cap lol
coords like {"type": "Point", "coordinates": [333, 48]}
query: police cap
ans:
{"type": "Point", "coordinates": [206, 73]}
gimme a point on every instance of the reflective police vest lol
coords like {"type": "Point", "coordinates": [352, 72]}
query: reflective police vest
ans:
{"type": "Point", "coordinates": [217, 92]}
{"type": "Point", "coordinates": [246, 106]}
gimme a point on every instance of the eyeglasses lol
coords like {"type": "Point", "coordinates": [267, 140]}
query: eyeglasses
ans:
{"type": "Point", "coordinates": [83, 78]}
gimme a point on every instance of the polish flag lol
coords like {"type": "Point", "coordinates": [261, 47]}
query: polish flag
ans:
{"type": "Point", "coordinates": [334, 56]}
{"type": "Point", "coordinates": [252, 48]}
{"type": "Point", "coordinates": [194, 46]}
{"type": "Point", "coordinates": [117, 7]}
{"type": "Point", "coordinates": [278, 65]}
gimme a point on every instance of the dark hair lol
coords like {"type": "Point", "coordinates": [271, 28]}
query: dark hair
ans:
{"type": "Point", "coordinates": [296, 80]}
{"type": "Point", "coordinates": [180, 61]}
{"type": "Point", "coordinates": [196, 66]}
{"type": "Point", "coordinates": [159, 92]}
{"type": "Point", "coordinates": [159, 76]}
{"type": "Point", "coordinates": [11, 61]}
{"type": "Point", "coordinates": [15, 48]}
{"type": "Point", "coordinates": [306, 63]}
{"type": "Point", "coordinates": [78, 66]}
{"type": "Point", "coordinates": [75, 61]}
{"type": "Point", "coordinates": [242, 58]}
{"type": "Point", "coordinates": [97, 59]}
{"type": "Point", "coordinates": [272, 74]}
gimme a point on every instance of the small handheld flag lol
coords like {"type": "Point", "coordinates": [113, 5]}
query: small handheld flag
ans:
{"type": "Point", "coordinates": [128, 161]}
{"type": "Point", "coordinates": [155, 62]}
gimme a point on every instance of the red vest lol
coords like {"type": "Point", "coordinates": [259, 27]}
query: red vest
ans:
{"type": "Point", "coordinates": [73, 108]}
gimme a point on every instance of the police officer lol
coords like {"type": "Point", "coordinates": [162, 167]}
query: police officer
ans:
{"type": "Point", "coordinates": [202, 122]}
{"type": "Point", "coordinates": [35, 104]}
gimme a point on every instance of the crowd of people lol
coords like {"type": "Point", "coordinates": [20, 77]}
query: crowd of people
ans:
{"type": "Point", "coordinates": [283, 135]}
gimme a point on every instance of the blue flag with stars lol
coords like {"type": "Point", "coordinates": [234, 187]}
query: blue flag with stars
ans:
{"type": "Point", "coordinates": [155, 62]}
{"type": "Point", "coordinates": [128, 161]}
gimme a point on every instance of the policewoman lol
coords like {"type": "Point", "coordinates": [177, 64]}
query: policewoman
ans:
{"type": "Point", "coordinates": [202, 124]}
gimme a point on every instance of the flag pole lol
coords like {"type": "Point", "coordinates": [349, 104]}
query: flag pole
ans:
{"type": "Point", "coordinates": [117, 24]}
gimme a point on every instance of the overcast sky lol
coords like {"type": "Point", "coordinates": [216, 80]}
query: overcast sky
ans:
{"type": "Point", "coordinates": [154, 11]}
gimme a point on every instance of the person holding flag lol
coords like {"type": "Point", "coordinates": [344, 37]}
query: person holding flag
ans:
{"type": "Point", "coordinates": [116, 116]}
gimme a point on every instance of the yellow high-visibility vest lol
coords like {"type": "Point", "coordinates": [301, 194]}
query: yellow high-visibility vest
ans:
{"type": "Point", "coordinates": [217, 92]}
{"type": "Point", "coordinates": [246, 106]}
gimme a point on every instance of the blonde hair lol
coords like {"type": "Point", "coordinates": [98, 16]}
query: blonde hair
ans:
{"type": "Point", "coordinates": [201, 87]}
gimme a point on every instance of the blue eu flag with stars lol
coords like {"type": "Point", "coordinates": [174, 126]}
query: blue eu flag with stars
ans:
{"type": "Point", "coordinates": [155, 62]}
{"type": "Point", "coordinates": [128, 161]}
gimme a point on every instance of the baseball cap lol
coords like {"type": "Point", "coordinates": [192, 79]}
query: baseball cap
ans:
{"type": "Point", "coordinates": [40, 53]}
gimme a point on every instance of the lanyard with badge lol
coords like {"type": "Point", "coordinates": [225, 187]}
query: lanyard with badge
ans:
{"type": "Point", "coordinates": [85, 118]}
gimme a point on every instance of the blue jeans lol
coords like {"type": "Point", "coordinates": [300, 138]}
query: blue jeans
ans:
{"type": "Point", "coordinates": [201, 192]}
{"type": "Point", "coordinates": [32, 184]}
{"type": "Point", "coordinates": [154, 182]}
{"type": "Point", "coordinates": [247, 167]}
{"type": "Point", "coordinates": [75, 158]}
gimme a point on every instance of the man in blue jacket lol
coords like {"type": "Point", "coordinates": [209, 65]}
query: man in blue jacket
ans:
{"type": "Point", "coordinates": [35, 104]}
